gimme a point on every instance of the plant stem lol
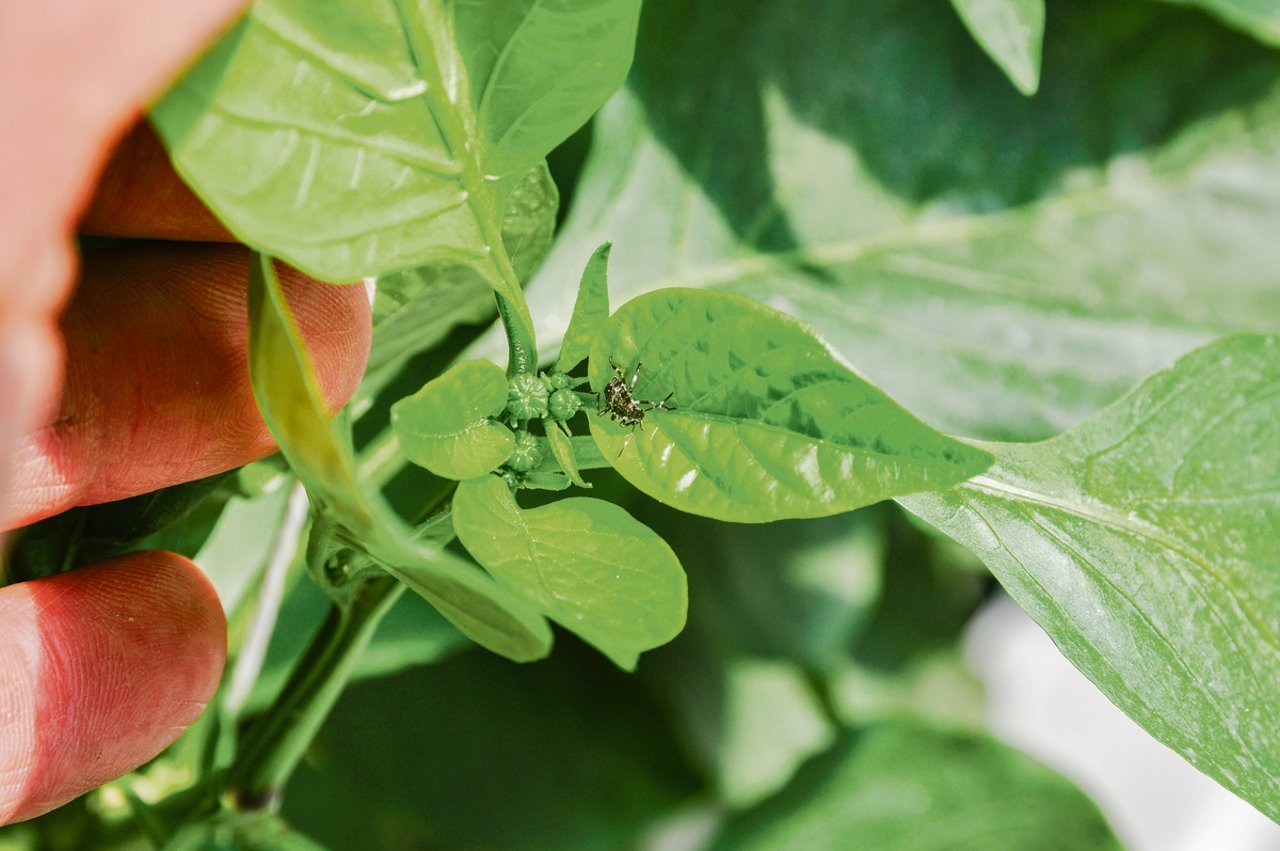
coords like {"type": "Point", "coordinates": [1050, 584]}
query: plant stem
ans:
{"type": "Point", "coordinates": [276, 742]}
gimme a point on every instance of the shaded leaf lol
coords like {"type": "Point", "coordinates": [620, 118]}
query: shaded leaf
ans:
{"type": "Point", "coordinates": [585, 563]}
{"type": "Point", "coordinates": [1144, 542]}
{"type": "Point", "coordinates": [1259, 18]}
{"type": "Point", "coordinates": [1010, 31]}
{"type": "Point", "coordinates": [767, 423]}
{"type": "Point", "coordinates": [448, 426]}
{"type": "Point", "coordinates": [568, 755]}
{"type": "Point", "coordinates": [912, 787]}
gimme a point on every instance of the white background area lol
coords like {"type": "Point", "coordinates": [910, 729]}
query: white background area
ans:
{"type": "Point", "coordinates": [1042, 705]}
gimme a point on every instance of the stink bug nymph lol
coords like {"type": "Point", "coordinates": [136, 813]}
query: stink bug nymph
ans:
{"type": "Point", "coordinates": [618, 402]}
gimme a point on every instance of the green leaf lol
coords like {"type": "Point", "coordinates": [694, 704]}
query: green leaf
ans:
{"type": "Point", "coordinates": [288, 395]}
{"type": "Point", "coordinates": [1259, 18]}
{"type": "Point", "coordinates": [585, 563]}
{"type": "Point", "coordinates": [226, 830]}
{"type": "Point", "coordinates": [415, 309]}
{"type": "Point", "coordinates": [767, 423]}
{"type": "Point", "coordinates": [474, 753]}
{"type": "Point", "coordinates": [1144, 542]}
{"type": "Point", "coordinates": [1010, 31]}
{"type": "Point", "coordinates": [909, 786]}
{"type": "Point", "coordinates": [540, 68]}
{"type": "Point", "coordinates": [411, 635]}
{"type": "Point", "coordinates": [562, 450]}
{"type": "Point", "coordinates": [92, 533]}
{"type": "Point", "coordinates": [1002, 266]}
{"type": "Point", "coordinates": [447, 426]}
{"type": "Point", "coordinates": [590, 311]}
{"type": "Point", "coordinates": [357, 138]}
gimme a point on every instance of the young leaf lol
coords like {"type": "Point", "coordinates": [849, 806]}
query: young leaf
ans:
{"type": "Point", "coordinates": [767, 423]}
{"type": "Point", "coordinates": [1144, 542]}
{"type": "Point", "coordinates": [288, 395]}
{"type": "Point", "coordinates": [416, 308]}
{"type": "Point", "coordinates": [908, 786]}
{"type": "Point", "coordinates": [585, 563]}
{"type": "Point", "coordinates": [355, 138]}
{"type": "Point", "coordinates": [562, 449]}
{"type": "Point", "coordinates": [590, 311]}
{"type": "Point", "coordinates": [1010, 31]}
{"type": "Point", "coordinates": [447, 426]}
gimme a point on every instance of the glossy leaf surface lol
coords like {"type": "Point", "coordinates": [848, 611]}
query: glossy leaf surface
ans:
{"type": "Point", "coordinates": [906, 787]}
{"type": "Point", "coordinates": [288, 395]}
{"type": "Point", "coordinates": [767, 423]}
{"type": "Point", "coordinates": [585, 563]}
{"type": "Point", "coordinates": [1002, 266]}
{"type": "Point", "coordinates": [1010, 31]}
{"type": "Point", "coordinates": [446, 426]}
{"type": "Point", "coordinates": [357, 138]}
{"type": "Point", "coordinates": [1145, 543]}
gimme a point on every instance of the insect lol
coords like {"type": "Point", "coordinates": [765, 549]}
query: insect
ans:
{"type": "Point", "coordinates": [618, 403]}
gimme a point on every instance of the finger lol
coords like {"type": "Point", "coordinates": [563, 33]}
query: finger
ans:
{"type": "Point", "coordinates": [101, 669]}
{"type": "Point", "coordinates": [157, 382]}
{"type": "Point", "coordinates": [140, 195]}
{"type": "Point", "coordinates": [85, 67]}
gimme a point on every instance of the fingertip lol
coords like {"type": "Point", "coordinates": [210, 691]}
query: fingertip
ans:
{"type": "Point", "coordinates": [103, 668]}
{"type": "Point", "coordinates": [337, 323]}
{"type": "Point", "coordinates": [157, 389]}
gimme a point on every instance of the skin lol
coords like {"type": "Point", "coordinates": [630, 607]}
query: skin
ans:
{"type": "Point", "coordinates": [120, 372]}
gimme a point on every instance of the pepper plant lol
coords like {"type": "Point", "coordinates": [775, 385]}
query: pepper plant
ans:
{"type": "Point", "coordinates": [1038, 312]}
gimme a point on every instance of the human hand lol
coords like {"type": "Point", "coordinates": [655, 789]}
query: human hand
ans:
{"type": "Point", "coordinates": [100, 669]}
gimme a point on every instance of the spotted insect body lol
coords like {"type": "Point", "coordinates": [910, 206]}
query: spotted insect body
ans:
{"type": "Point", "coordinates": [616, 399]}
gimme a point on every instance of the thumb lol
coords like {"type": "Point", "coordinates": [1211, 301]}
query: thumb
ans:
{"type": "Point", "coordinates": [100, 669]}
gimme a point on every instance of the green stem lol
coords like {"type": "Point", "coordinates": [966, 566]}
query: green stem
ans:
{"type": "Point", "coordinates": [276, 742]}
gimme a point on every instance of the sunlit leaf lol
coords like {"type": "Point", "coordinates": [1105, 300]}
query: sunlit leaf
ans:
{"type": "Point", "coordinates": [356, 138]}
{"type": "Point", "coordinates": [590, 311]}
{"type": "Point", "coordinates": [288, 395]}
{"type": "Point", "coordinates": [447, 426]}
{"type": "Point", "coordinates": [767, 423]}
{"type": "Point", "coordinates": [585, 563]}
{"type": "Point", "coordinates": [1003, 266]}
{"type": "Point", "coordinates": [1145, 543]}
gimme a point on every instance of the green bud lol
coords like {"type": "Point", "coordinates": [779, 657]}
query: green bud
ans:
{"type": "Point", "coordinates": [560, 381]}
{"type": "Point", "coordinates": [564, 404]}
{"type": "Point", "coordinates": [527, 454]}
{"type": "Point", "coordinates": [527, 397]}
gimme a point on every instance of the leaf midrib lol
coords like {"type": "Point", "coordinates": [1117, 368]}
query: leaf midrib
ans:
{"type": "Point", "coordinates": [1099, 513]}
